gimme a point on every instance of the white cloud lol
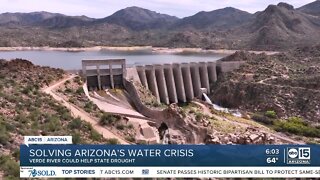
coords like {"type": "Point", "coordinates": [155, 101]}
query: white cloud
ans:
{"type": "Point", "coordinates": [102, 8]}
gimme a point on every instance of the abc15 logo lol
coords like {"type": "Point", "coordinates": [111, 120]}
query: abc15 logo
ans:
{"type": "Point", "coordinates": [302, 153]}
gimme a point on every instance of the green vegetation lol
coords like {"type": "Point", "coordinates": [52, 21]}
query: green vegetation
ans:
{"type": "Point", "coordinates": [89, 107]}
{"type": "Point", "coordinates": [79, 91]}
{"type": "Point", "coordinates": [25, 110]}
{"type": "Point", "coordinates": [296, 125]}
{"type": "Point", "coordinates": [262, 119]}
{"type": "Point", "coordinates": [68, 90]}
{"type": "Point", "coordinates": [4, 134]}
{"type": "Point", "coordinates": [112, 141]}
{"type": "Point", "coordinates": [142, 142]}
{"type": "Point", "coordinates": [53, 124]}
{"type": "Point", "coordinates": [77, 80]}
{"type": "Point", "coordinates": [67, 82]}
{"type": "Point", "coordinates": [109, 119]}
{"type": "Point", "coordinates": [120, 126]}
{"type": "Point", "coordinates": [76, 138]}
{"type": "Point", "coordinates": [199, 116]}
{"type": "Point", "coordinates": [94, 135]}
{"type": "Point", "coordinates": [153, 103]}
{"type": "Point", "coordinates": [10, 167]}
{"type": "Point", "coordinates": [130, 138]}
{"type": "Point", "coordinates": [72, 100]}
{"type": "Point", "coordinates": [130, 126]}
{"type": "Point", "coordinates": [27, 90]}
{"type": "Point", "coordinates": [271, 114]}
{"type": "Point", "coordinates": [293, 125]}
{"type": "Point", "coordinates": [266, 118]}
{"type": "Point", "coordinates": [224, 126]}
{"type": "Point", "coordinates": [75, 123]}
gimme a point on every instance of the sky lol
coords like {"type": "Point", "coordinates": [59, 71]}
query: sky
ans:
{"type": "Point", "coordinates": [103, 8]}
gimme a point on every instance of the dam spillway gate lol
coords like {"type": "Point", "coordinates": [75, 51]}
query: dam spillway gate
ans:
{"type": "Point", "coordinates": [104, 74]}
{"type": "Point", "coordinates": [182, 82]}
{"type": "Point", "coordinates": [173, 83]}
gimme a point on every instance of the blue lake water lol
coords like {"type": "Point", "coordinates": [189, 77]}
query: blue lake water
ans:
{"type": "Point", "coordinates": [72, 60]}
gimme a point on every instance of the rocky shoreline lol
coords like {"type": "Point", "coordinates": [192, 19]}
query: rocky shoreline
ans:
{"type": "Point", "coordinates": [164, 50]}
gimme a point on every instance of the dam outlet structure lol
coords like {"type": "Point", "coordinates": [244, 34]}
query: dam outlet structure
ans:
{"type": "Point", "coordinates": [169, 83]}
{"type": "Point", "coordinates": [104, 74]}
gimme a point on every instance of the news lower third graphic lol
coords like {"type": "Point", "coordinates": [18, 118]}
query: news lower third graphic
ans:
{"type": "Point", "coordinates": [61, 159]}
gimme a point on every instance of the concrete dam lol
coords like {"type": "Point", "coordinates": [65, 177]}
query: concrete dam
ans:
{"type": "Point", "coordinates": [173, 83]}
{"type": "Point", "coordinates": [169, 83]}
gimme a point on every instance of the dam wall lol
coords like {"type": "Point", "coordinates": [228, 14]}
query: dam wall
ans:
{"type": "Point", "coordinates": [104, 74]}
{"type": "Point", "coordinates": [169, 83]}
{"type": "Point", "coordinates": [173, 83]}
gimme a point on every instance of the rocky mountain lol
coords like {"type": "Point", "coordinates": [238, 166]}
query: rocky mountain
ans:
{"type": "Point", "coordinates": [136, 18]}
{"type": "Point", "coordinates": [46, 19]}
{"type": "Point", "coordinates": [65, 21]}
{"type": "Point", "coordinates": [25, 18]}
{"type": "Point", "coordinates": [287, 83]}
{"type": "Point", "coordinates": [281, 26]}
{"type": "Point", "coordinates": [311, 8]}
{"type": "Point", "coordinates": [221, 18]}
{"type": "Point", "coordinates": [278, 27]}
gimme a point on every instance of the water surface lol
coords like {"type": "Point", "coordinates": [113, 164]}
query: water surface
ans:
{"type": "Point", "coordinates": [72, 60]}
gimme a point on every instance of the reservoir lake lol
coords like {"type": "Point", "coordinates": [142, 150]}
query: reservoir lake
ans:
{"type": "Point", "coordinates": [72, 60]}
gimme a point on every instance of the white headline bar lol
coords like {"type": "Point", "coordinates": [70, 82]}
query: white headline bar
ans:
{"type": "Point", "coordinates": [167, 172]}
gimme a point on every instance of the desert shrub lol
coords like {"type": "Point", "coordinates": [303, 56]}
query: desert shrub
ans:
{"type": "Point", "coordinates": [154, 103]}
{"type": "Point", "coordinates": [120, 126]}
{"type": "Point", "coordinates": [87, 126]}
{"type": "Point", "coordinates": [112, 141]}
{"type": "Point", "coordinates": [27, 90]}
{"type": "Point", "coordinates": [68, 90]}
{"type": "Point", "coordinates": [199, 116]}
{"type": "Point", "coordinates": [77, 80]}
{"type": "Point", "coordinates": [76, 138]}
{"type": "Point", "coordinates": [94, 135]}
{"type": "Point", "coordinates": [67, 82]}
{"type": "Point", "coordinates": [66, 116]}
{"type": "Point", "coordinates": [22, 118]}
{"type": "Point", "coordinates": [262, 119]}
{"type": "Point", "coordinates": [296, 125]}
{"type": "Point", "coordinates": [130, 138]}
{"type": "Point", "coordinates": [53, 124]}
{"type": "Point", "coordinates": [108, 119]}
{"type": "Point", "coordinates": [88, 107]}
{"type": "Point", "coordinates": [72, 100]}
{"type": "Point", "coordinates": [80, 91]}
{"type": "Point", "coordinates": [142, 142]}
{"type": "Point", "coordinates": [75, 123]}
{"type": "Point", "coordinates": [130, 126]}
{"type": "Point", "coordinates": [34, 115]}
{"type": "Point", "coordinates": [60, 109]}
{"type": "Point", "coordinates": [16, 154]}
{"type": "Point", "coordinates": [4, 135]}
{"type": "Point", "coordinates": [271, 114]}
{"type": "Point", "coordinates": [9, 166]}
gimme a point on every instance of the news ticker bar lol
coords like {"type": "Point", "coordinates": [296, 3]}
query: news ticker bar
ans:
{"type": "Point", "coordinates": [170, 172]}
{"type": "Point", "coordinates": [169, 155]}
